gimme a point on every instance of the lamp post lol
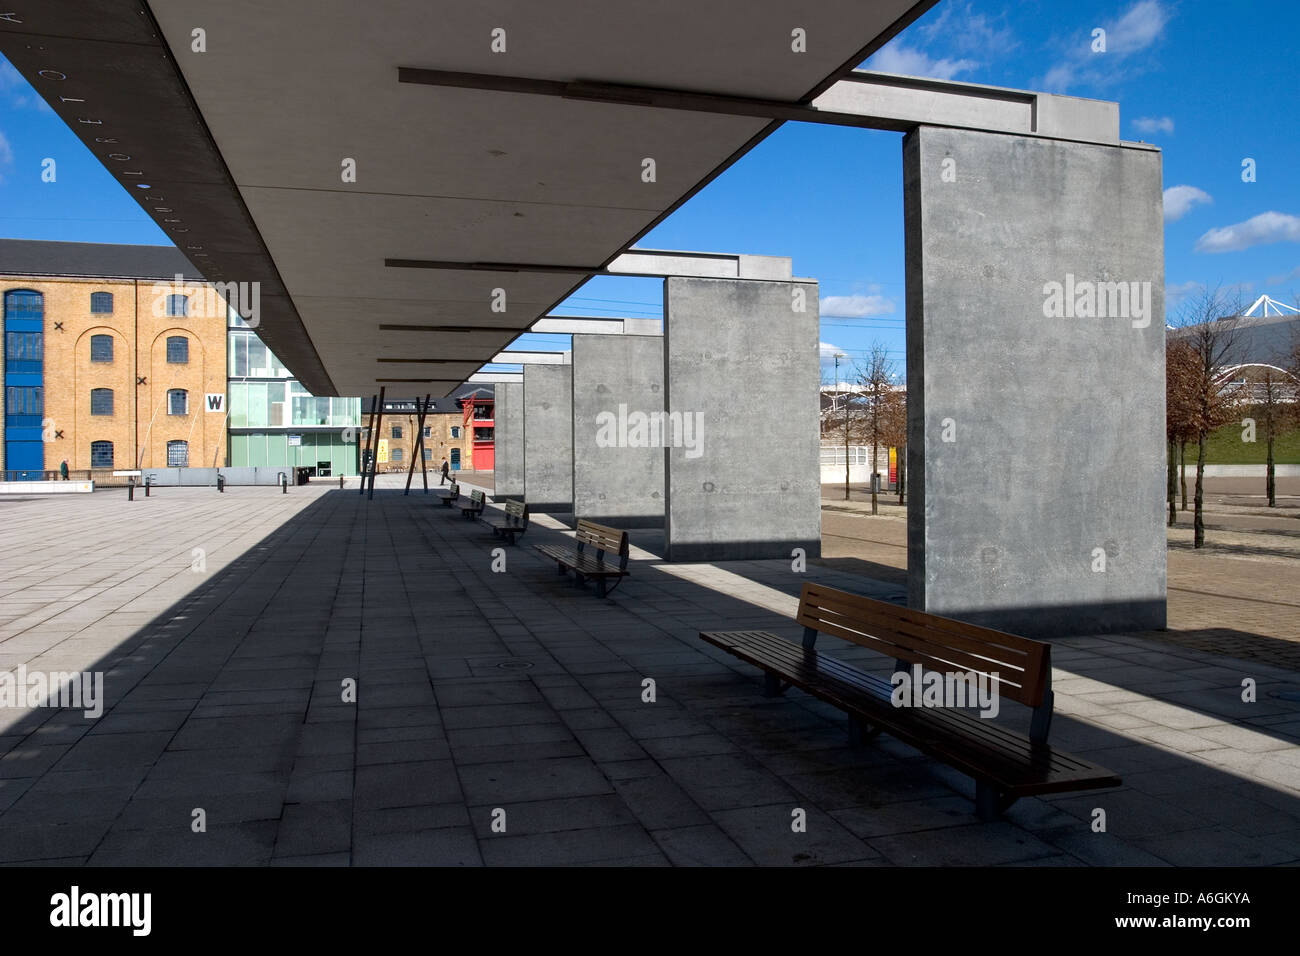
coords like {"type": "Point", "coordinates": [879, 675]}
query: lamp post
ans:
{"type": "Point", "coordinates": [838, 356]}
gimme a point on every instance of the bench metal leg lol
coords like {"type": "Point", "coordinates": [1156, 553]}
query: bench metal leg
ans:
{"type": "Point", "coordinates": [559, 567]}
{"type": "Point", "coordinates": [989, 802]}
{"type": "Point", "coordinates": [860, 731]}
{"type": "Point", "coordinates": [773, 686]}
{"type": "Point", "coordinates": [600, 584]}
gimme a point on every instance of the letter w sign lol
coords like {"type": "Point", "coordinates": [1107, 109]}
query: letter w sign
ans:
{"type": "Point", "coordinates": [216, 401]}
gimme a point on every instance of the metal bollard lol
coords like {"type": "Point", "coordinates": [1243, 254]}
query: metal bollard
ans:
{"type": "Point", "coordinates": [130, 489]}
{"type": "Point", "coordinates": [221, 483]}
{"type": "Point", "coordinates": [284, 483]}
{"type": "Point", "coordinates": [148, 484]}
{"type": "Point", "coordinates": [340, 481]}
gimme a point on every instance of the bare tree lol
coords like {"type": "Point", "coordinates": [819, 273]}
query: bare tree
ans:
{"type": "Point", "coordinates": [1180, 411]}
{"type": "Point", "coordinates": [1208, 322]}
{"type": "Point", "coordinates": [876, 376]}
{"type": "Point", "coordinates": [842, 419]}
{"type": "Point", "coordinates": [1270, 400]}
{"type": "Point", "coordinates": [893, 431]}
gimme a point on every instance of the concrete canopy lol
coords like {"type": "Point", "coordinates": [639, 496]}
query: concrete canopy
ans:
{"type": "Point", "coordinates": [243, 146]}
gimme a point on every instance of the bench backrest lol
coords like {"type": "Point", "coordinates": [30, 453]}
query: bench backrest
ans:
{"type": "Point", "coordinates": [604, 540]}
{"type": "Point", "coordinates": [454, 490]}
{"type": "Point", "coordinates": [516, 512]}
{"type": "Point", "coordinates": [1023, 666]}
{"type": "Point", "coordinates": [476, 498]}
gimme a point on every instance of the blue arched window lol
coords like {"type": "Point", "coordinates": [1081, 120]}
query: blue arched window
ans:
{"type": "Point", "coordinates": [101, 348]}
{"type": "Point", "coordinates": [101, 401]}
{"type": "Point", "coordinates": [178, 454]}
{"type": "Point", "coordinates": [178, 305]}
{"type": "Point", "coordinates": [101, 454]}
{"type": "Point", "coordinates": [101, 303]}
{"type": "Point", "coordinates": [178, 350]}
{"type": "Point", "coordinates": [178, 402]}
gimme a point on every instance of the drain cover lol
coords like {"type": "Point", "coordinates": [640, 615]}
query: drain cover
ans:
{"type": "Point", "coordinates": [515, 665]}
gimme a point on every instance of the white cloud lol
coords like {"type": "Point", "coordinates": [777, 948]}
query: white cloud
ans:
{"type": "Point", "coordinates": [855, 306]}
{"type": "Point", "coordinates": [966, 31]}
{"type": "Point", "coordinates": [6, 156]}
{"type": "Point", "coordinates": [1174, 294]}
{"type": "Point", "coordinates": [1154, 124]}
{"type": "Point", "coordinates": [1179, 201]}
{"type": "Point", "coordinates": [1267, 227]}
{"type": "Point", "coordinates": [895, 57]}
{"type": "Point", "coordinates": [1141, 27]}
{"type": "Point", "coordinates": [1285, 277]}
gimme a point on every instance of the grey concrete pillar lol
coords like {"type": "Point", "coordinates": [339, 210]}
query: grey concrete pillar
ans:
{"type": "Point", "coordinates": [548, 437]}
{"type": "Point", "coordinates": [509, 441]}
{"type": "Point", "coordinates": [618, 475]}
{"type": "Point", "coordinates": [1035, 364]}
{"type": "Point", "coordinates": [741, 365]}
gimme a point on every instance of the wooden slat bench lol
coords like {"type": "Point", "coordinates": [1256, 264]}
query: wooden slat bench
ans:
{"type": "Point", "coordinates": [475, 507]}
{"type": "Point", "coordinates": [514, 523]}
{"type": "Point", "coordinates": [448, 495]}
{"type": "Point", "coordinates": [1005, 764]}
{"type": "Point", "coordinates": [601, 554]}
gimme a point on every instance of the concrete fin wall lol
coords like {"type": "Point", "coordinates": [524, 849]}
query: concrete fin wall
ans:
{"type": "Point", "coordinates": [741, 363]}
{"type": "Point", "coordinates": [548, 437]}
{"type": "Point", "coordinates": [509, 453]}
{"type": "Point", "coordinates": [1036, 473]}
{"type": "Point", "coordinates": [618, 476]}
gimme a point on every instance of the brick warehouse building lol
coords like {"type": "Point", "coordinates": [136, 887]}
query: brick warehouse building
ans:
{"type": "Point", "coordinates": [108, 360]}
{"type": "Point", "coordinates": [454, 429]}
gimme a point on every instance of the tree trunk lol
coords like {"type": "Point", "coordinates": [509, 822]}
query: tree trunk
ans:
{"type": "Point", "coordinates": [1198, 521]}
{"type": "Point", "coordinates": [1182, 459]}
{"type": "Point", "coordinates": [846, 460]}
{"type": "Point", "coordinates": [902, 471]}
{"type": "Point", "coordinates": [1172, 483]}
{"type": "Point", "coordinates": [874, 509]}
{"type": "Point", "coordinates": [1269, 482]}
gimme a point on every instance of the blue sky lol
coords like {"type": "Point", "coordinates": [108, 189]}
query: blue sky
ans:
{"type": "Point", "coordinates": [1212, 84]}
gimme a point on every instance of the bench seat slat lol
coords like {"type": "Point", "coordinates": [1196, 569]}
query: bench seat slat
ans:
{"type": "Point", "coordinates": [581, 562]}
{"type": "Point", "coordinates": [976, 746]}
{"type": "Point", "coordinates": [923, 639]}
{"type": "Point", "coordinates": [792, 659]}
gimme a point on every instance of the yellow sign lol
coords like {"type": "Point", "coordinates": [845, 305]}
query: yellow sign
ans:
{"type": "Point", "coordinates": [383, 451]}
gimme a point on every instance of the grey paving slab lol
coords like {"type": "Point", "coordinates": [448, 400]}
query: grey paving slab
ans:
{"type": "Point", "coordinates": [479, 691]}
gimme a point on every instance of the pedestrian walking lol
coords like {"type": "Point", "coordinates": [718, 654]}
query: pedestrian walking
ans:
{"type": "Point", "coordinates": [446, 470]}
{"type": "Point", "coordinates": [63, 469]}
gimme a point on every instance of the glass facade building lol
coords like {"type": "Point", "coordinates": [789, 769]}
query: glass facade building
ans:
{"type": "Point", "coordinates": [275, 422]}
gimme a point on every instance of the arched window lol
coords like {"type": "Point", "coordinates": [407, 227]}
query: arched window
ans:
{"type": "Point", "coordinates": [101, 401]}
{"type": "Point", "coordinates": [101, 348]}
{"type": "Point", "coordinates": [101, 303]}
{"type": "Point", "coordinates": [178, 401]}
{"type": "Point", "coordinates": [178, 454]}
{"type": "Point", "coordinates": [101, 454]}
{"type": "Point", "coordinates": [397, 454]}
{"type": "Point", "coordinates": [178, 305]}
{"type": "Point", "coordinates": [178, 350]}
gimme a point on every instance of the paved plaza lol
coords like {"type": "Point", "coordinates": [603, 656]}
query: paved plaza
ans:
{"type": "Point", "coordinates": [501, 716]}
